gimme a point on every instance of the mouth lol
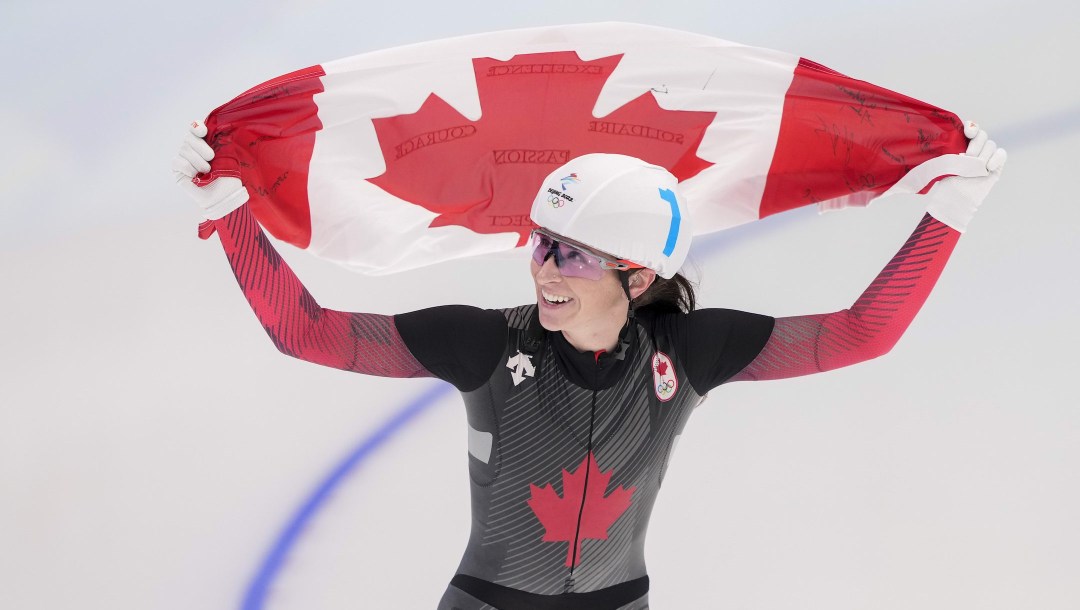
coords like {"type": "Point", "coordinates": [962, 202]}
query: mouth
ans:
{"type": "Point", "coordinates": [554, 300]}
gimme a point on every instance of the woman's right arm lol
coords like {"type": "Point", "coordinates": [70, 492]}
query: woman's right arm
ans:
{"type": "Point", "coordinates": [297, 325]}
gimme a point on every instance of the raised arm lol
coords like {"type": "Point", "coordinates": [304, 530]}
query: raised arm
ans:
{"type": "Point", "coordinates": [297, 325]}
{"type": "Point", "coordinates": [802, 345]}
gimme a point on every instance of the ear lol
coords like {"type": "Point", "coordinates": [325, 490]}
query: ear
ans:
{"type": "Point", "coordinates": [640, 281]}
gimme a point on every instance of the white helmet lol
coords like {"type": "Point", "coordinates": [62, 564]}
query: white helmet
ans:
{"type": "Point", "coordinates": [618, 205]}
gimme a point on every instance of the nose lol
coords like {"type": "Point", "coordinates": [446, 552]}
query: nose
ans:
{"type": "Point", "coordinates": [549, 271]}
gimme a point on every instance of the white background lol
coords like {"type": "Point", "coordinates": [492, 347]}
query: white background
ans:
{"type": "Point", "coordinates": [153, 443]}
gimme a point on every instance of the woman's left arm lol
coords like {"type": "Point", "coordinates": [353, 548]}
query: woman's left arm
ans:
{"type": "Point", "coordinates": [802, 345]}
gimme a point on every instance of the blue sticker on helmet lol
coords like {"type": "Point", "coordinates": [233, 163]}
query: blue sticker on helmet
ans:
{"type": "Point", "coordinates": [676, 219]}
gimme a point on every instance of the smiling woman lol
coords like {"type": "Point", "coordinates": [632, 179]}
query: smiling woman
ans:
{"type": "Point", "coordinates": [616, 203]}
{"type": "Point", "coordinates": [575, 403]}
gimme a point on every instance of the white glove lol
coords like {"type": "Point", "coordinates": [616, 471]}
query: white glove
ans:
{"type": "Point", "coordinates": [954, 200]}
{"type": "Point", "coordinates": [220, 197]}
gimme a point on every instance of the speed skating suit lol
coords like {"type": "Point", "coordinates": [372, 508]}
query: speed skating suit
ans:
{"type": "Point", "coordinates": [567, 450]}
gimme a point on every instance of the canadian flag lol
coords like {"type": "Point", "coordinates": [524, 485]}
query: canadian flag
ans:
{"type": "Point", "coordinates": [409, 156]}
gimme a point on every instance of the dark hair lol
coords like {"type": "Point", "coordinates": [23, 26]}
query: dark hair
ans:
{"type": "Point", "coordinates": [667, 295]}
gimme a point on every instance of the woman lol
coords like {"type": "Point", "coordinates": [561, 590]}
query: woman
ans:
{"type": "Point", "coordinates": [575, 402]}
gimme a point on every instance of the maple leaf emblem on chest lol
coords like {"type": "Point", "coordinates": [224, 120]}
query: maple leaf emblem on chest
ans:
{"type": "Point", "coordinates": [560, 516]}
{"type": "Point", "coordinates": [536, 115]}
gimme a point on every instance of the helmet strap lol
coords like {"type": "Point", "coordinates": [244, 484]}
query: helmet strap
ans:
{"type": "Point", "coordinates": [624, 336]}
{"type": "Point", "coordinates": [624, 279]}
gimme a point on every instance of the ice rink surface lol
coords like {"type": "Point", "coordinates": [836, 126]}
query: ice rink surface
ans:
{"type": "Point", "coordinates": [154, 444]}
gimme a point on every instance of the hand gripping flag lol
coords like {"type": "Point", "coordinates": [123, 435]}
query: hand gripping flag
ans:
{"type": "Point", "coordinates": [414, 155]}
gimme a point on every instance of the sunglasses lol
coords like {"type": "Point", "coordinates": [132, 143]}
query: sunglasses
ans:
{"type": "Point", "coordinates": [572, 259]}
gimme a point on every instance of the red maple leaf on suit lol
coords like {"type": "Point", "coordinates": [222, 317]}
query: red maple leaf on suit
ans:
{"type": "Point", "coordinates": [661, 368]}
{"type": "Point", "coordinates": [559, 515]}
{"type": "Point", "coordinates": [536, 115]}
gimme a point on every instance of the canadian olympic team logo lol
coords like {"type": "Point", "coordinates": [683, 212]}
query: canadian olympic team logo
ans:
{"type": "Point", "coordinates": [663, 373]}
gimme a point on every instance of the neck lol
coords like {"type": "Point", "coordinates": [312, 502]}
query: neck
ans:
{"type": "Point", "coordinates": [603, 338]}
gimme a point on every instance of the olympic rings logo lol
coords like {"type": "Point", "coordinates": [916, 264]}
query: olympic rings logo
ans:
{"type": "Point", "coordinates": [556, 201]}
{"type": "Point", "coordinates": [665, 380]}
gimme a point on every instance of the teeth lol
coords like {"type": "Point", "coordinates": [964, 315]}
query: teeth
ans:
{"type": "Point", "coordinates": [554, 298]}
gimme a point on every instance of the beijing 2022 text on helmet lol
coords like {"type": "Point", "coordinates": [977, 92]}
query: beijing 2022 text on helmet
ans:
{"type": "Point", "coordinates": [618, 205]}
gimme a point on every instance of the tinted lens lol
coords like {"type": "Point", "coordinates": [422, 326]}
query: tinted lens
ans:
{"type": "Point", "coordinates": [578, 263]}
{"type": "Point", "coordinates": [571, 261]}
{"type": "Point", "coordinates": [541, 245]}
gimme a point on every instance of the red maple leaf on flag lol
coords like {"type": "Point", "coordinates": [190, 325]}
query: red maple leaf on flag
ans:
{"type": "Point", "coordinates": [559, 516]}
{"type": "Point", "coordinates": [536, 115]}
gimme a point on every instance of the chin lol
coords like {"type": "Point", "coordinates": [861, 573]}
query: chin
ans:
{"type": "Point", "coordinates": [554, 320]}
{"type": "Point", "coordinates": [548, 321]}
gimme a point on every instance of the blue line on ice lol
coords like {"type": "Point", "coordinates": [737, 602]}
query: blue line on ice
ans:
{"type": "Point", "coordinates": [256, 593]}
